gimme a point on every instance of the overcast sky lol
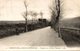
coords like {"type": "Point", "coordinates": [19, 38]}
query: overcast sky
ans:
{"type": "Point", "coordinates": [13, 9]}
{"type": "Point", "coordinates": [70, 9]}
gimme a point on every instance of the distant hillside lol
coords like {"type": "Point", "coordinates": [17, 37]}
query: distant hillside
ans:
{"type": "Point", "coordinates": [75, 22]}
{"type": "Point", "coordinates": [17, 22]}
{"type": "Point", "coordinates": [11, 22]}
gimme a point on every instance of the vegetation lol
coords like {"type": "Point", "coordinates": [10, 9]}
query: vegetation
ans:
{"type": "Point", "coordinates": [11, 28]}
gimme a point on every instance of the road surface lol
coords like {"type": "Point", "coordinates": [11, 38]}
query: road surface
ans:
{"type": "Point", "coordinates": [41, 37]}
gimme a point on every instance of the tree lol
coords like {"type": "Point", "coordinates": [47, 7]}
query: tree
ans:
{"type": "Point", "coordinates": [53, 16]}
{"type": "Point", "coordinates": [41, 14]}
{"type": "Point", "coordinates": [55, 13]}
{"type": "Point", "coordinates": [25, 16]}
{"type": "Point", "coordinates": [58, 9]}
{"type": "Point", "coordinates": [56, 16]}
{"type": "Point", "coordinates": [34, 15]}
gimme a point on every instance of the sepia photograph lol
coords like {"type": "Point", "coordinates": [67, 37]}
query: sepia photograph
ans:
{"type": "Point", "coordinates": [40, 24]}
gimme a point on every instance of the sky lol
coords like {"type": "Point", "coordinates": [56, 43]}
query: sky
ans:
{"type": "Point", "coordinates": [70, 9]}
{"type": "Point", "coordinates": [12, 10]}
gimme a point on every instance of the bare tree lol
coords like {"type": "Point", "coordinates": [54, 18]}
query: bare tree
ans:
{"type": "Point", "coordinates": [53, 16]}
{"type": "Point", "coordinates": [58, 9]}
{"type": "Point", "coordinates": [25, 15]}
{"type": "Point", "coordinates": [55, 13]}
{"type": "Point", "coordinates": [34, 15]}
{"type": "Point", "coordinates": [41, 14]}
{"type": "Point", "coordinates": [56, 16]}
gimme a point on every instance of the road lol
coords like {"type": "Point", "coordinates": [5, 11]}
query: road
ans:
{"type": "Point", "coordinates": [41, 37]}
